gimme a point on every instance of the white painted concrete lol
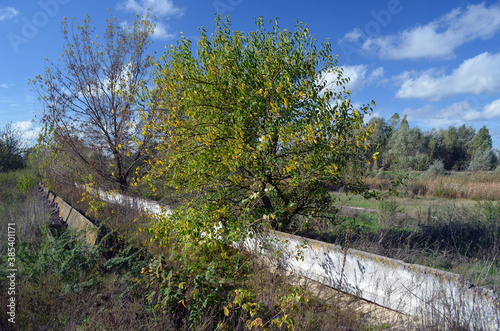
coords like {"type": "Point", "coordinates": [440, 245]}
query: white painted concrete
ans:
{"type": "Point", "coordinates": [411, 289]}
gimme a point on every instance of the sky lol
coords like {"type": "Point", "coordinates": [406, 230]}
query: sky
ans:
{"type": "Point", "coordinates": [438, 62]}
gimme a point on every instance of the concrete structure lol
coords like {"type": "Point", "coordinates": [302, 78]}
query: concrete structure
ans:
{"type": "Point", "coordinates": [150, 207]}
{"type": "Point", "coordinates": [82, 225]}
{"type": "Point", "coordinates": [419, 291]}
{"type": "Point", "coordinates": [64, 208]}
{"type": "Point", "coordinates": [73, 218]}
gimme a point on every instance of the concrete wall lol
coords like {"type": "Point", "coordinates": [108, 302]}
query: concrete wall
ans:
{"type": "Point", "coordinates": [73, 218]}
{"type": "Point", "coordinates": [78, 222]}
{"type": "Point", "coordinates": [411, 289]}
{"type": "Point", "coordinates": [150, 207]}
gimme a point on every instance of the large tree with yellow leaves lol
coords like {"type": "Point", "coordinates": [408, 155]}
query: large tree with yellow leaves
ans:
{"type": "Point", "coordinates": [253, 129]}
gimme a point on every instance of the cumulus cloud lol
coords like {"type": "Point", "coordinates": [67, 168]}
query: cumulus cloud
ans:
{"type": "Point", "coordinates": [437, 39]}
{"type": "Point", "coordinates": [359, 76]}
{"type": "Point", "coordinates": [27, 129]}
{"type": "Point", "coordinates": [480, 74]}
{"type": "Point", "coordinates": [7, 13]}
{"type": "Point", "coordinates": [455, 114]}
{"type": "Point", "coordinates": [353, 36]}
{"type": "Point", "coordinates": [161, 32]}
{"type": "Point", "coordinates": [159, 8]}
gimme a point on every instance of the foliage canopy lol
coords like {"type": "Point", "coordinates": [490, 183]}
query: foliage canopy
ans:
{"type": "Point", "coordinates": [89, 96]}
{"type": "Point", "coordinates": [253, 129]}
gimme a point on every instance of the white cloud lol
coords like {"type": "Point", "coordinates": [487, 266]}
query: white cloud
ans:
{"type": "Point", "coordinates": [161, 32]}
{"type": "Point", "coordinates": [455, 114]}
{"type": "Point", "coordinates": [437, 39]}
{"type": "Point", "coordinates": [368, 117]}
{"type": "Point", "coordinates": [4, 85]}
{"type": "Point", "coordinates": [359, 76]}
{"type": "Point", "coordinates": [27, 129]}
{"type": "Point", "coordinates": [8, 13]}
{"type": "Point", "coordinates": [158, 8]}
{"type": "Point", "coordinates": [480, 74]}
{"type": "Point", "coordinates": [492, 109]}
{"type": "Point", "coordinates": [353, 36]}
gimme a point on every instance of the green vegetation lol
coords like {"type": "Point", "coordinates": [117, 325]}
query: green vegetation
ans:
{"type": "Point", "coordinates": [124, 282]}
{"type": "Point", "coordinates": [406, 148]}
{"type": "Point", "coordinates": [13, 153]}
{"type": "Point", "coordinates": [457, 235]}
{"type": "Point", "coordinates": [248, 133]}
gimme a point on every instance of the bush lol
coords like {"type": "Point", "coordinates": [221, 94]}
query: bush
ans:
{"type": "Point", "coordinates": [436, 168]}
{"type": "Point", "coordinates": [27, 181]}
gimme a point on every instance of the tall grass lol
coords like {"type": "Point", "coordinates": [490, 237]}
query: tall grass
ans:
{"type": "Point", "coordinates": [454, 185]}
{"type": "Point", "coordinates": [121, 284]}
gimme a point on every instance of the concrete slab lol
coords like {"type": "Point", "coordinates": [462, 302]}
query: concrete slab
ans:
{"type": "Point", "coordinates": [78, 222]}
{"type": "Point", "coordinates": [64, 208]}
{"type": "Point", "coordinates": [51, 197]}
{"type": "Point", "coordinates": [419, 291]}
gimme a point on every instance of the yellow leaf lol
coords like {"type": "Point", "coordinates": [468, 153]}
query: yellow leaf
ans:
{"type": "Point", "coordinates": [226, 311]}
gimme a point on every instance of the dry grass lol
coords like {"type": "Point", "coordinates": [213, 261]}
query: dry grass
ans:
{"type": "Point", "coordinates": [455, 185]}
{"type": "Point", "coordinates": [64, 285]}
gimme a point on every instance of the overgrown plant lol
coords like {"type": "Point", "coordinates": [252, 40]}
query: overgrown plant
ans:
{"type": "Point", "coordinates": [250, 129]}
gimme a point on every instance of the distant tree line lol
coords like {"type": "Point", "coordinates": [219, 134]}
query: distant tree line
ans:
{"type": "Point", "coordinates": [13, 151]}
{"type": "Point", "coordinates": [454, 148]}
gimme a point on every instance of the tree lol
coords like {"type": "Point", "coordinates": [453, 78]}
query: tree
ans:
{"type": "Point", "coordinates": [12, 149]}
{"type": "Point", "coordinates": [481, 151]}
{"type": "Point", "coordinates": [455, 143]}
{"type": "Point", "coordinates": [89, 98]}
{"type": "Point", "coordinates": [408, 148]}
{"type": "Point", "coordinates": [251, 127]}
{"type": "Point", "coordinates": [379, 140]}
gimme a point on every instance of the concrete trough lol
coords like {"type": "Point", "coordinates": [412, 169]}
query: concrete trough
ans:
{"type": "Point", "coordinates": [422, 292]}
{"type": "Point", "coordinates": [418, 291]}
{"type": "Point", "coordinates": [79, 223]}
{"type": "Point", "coordinates": [64, 208]}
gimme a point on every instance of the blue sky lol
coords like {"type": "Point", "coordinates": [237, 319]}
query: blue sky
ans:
{"type": "Point", "coordinates": [438, 62]}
